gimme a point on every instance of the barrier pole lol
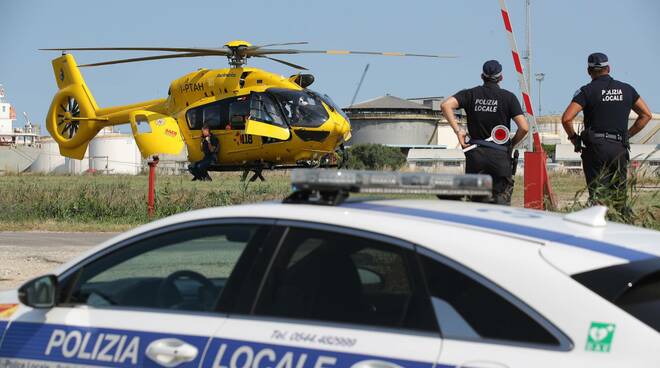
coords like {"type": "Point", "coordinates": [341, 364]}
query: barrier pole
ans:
{"type": "Point", "coordinates": [537, 183]}
{"type": "Point", "coordinates": [151, 194]}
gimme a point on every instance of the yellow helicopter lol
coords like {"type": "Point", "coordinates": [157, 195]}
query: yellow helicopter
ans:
{"type": "Point", "coordinates": [261, 119]}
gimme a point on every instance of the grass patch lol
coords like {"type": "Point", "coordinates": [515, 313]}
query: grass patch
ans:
{"type": "Point", "coordinates": [118, 203]}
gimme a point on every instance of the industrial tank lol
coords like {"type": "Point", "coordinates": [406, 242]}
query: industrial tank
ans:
{"type": "Point", "coordinates": [49, 160]}
{"type": "Point", "coordinates": [114, 153]}
{"type": "Point", "coordinates": [393, 121]}
{"type": "Point", "coordinates": [77, 167]}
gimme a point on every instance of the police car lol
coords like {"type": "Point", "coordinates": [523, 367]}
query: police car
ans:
{"type": "Point", "coordinates": [321, 281]}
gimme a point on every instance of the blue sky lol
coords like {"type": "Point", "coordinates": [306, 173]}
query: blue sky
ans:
{"type": "Point", "coordinates": [564, 33]}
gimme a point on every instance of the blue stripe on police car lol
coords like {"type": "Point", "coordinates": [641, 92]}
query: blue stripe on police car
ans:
{"type": "Point", "coordinates": [123, 348]}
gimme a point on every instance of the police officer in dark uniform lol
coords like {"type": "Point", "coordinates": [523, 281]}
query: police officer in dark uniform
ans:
{"type": "Point", "coordinates": [489, 108]}
{"type": "Point", "coordinates": [210, 147]}
{"type": "Point", "coordinates": [606, 103]}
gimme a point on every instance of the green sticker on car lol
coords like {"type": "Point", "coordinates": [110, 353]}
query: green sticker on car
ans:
{"type": "Point", "coordinates": [600, 336]}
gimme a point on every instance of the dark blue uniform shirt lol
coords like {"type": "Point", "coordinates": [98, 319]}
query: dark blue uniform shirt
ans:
{"type": "Point", "coordinates": [486, 107]}
{"type": "Point", "coordinates": [606, 103]}
{"type": "Point", "coordinates": [206, 147]}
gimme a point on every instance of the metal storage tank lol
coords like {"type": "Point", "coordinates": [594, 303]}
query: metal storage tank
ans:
{"type": "Point", "coordinates": [393, 121]}
{"type": "Point", "coordinates": [114, 153]}
{"type": "Point", "coordinates": [77, 167]}
{"type": "Point", "coordinates": [49, 160]}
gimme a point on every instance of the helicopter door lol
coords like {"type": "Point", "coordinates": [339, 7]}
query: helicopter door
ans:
{"type": "Point", "coordinates": [266, 119]}
{"type": "Point", "coordinates": [155, 133]}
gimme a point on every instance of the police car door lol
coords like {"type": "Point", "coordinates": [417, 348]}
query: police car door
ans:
{"type": "Point", "coordinates": [333, 297]}
{"type": "Point", "coordinates": [149, 302]}
{"type": "Point", "coordinates": [482, 325]}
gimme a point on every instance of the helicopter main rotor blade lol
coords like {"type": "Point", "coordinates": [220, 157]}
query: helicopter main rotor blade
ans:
{"type": "Point", "coordinates": [277, 44]}
{"type": "Point", "coordinates": [339, 52]}
{"type": "Point", "coordinates": [283, 62]}
{"type": "Point", "coordinates": [222, 50]}
{"type": "Point", "coordinates": [148, 58]}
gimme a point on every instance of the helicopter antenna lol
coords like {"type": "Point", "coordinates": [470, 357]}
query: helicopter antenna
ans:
{"type": "Point", "coordinates": [364, 74]}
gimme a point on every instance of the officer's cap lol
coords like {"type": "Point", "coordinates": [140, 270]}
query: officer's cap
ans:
{"type": "Point", "coordinates": [492, 68]}
{"type": "Point", "coordinates": [597, 60]}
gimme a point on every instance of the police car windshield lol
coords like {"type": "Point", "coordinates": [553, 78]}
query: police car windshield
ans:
{"type": "Point", "coordinates": [301, 108]}
{"type": "Point", "coordinates": [633, 287]}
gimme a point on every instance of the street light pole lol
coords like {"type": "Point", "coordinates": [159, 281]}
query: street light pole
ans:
{"type": "Point", "coordinates": [539, 78]}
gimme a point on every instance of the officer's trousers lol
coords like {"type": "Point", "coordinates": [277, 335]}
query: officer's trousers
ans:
{"type": "Point", "coordinates": [199, 169]}
{"type": "Point", "coordinates": [497, 164]}
{"type": "Point", "coordinates": [605, 164]}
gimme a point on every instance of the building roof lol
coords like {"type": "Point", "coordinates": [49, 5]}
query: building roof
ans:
{"type": "Point", "coordinates": [389, 102]}
{"type": "Point", "coordinates": [650, 152]}
{"type": "Point", "coordinates": [566, 152]}
{"type": "Point", "coordinates": [426, 154]}
{"type": "Point", "coordinates": [556, 119]}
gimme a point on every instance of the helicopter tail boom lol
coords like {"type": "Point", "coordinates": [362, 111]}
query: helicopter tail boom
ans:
{"type": "Point", "coordinates": [74, 118]}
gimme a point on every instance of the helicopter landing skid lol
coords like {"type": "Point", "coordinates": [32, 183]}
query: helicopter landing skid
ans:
{"type": "Point", "coordinates": [258, 174]}
{"type": "Point", "coordinates": [343, 153]}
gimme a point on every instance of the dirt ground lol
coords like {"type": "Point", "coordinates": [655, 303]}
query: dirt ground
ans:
{"type": "Point", "coordinates": [24, 255]}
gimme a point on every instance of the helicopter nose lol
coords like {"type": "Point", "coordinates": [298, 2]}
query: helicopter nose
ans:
{"type": "Point", "coordinates": [343, 129]}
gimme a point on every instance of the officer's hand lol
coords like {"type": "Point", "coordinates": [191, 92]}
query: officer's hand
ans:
{"type": "Point", "coordinates": [461, 138]}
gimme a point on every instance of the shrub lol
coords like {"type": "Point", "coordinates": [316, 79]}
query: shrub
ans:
{"type": "Point", "coordinates": [375, 157]}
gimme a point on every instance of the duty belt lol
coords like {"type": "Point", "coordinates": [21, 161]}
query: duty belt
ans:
{"type": "Point", "coordinates": [484, 143]}
{"type": "Point", "coordinates": [611, 136]}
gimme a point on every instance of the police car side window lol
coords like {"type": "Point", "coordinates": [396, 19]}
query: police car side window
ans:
{"type": "Point", "coordinates": [326, 276]}
{"type": "Point", "coordinates": [182, 270]}
{"type": "Point", "coordinates": [466, 309]}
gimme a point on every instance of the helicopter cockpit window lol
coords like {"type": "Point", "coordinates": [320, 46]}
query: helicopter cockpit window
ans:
{"type": "Point", "coordinates": [328, 101]}
{"type": "Point", "coordinates": [264, 109]}
{"type": "Point", "coordinates": [301, 108]}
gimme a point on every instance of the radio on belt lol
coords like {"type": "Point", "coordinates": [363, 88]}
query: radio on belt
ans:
{"type": "Point", "coordinates": [331, 187]}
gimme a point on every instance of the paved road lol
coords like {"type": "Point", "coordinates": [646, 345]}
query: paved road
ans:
{"type": "Point", "coordinates": [24, 255]}
{"type": "Point", "coordinates": [51, 239]}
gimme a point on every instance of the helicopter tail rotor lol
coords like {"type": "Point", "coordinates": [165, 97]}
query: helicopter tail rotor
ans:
{"type": "Point", "coordinates": [71, 117]}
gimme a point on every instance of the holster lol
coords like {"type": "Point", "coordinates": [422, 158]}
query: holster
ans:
{"type": "Point", "coordinates": [514, 162]}
{"type": "Point", "coordinates": [577, 146]}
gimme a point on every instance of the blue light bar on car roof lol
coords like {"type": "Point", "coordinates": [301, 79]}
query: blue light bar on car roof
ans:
{"type": "Point", "coordinates": [383, 182]}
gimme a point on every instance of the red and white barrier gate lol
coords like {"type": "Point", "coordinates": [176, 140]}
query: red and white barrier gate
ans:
{"type": "Point", "coordinates": [537, 183]}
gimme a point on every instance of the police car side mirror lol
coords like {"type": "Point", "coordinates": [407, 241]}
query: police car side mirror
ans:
{"type": "Point", "coordinates": [40, 292]}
